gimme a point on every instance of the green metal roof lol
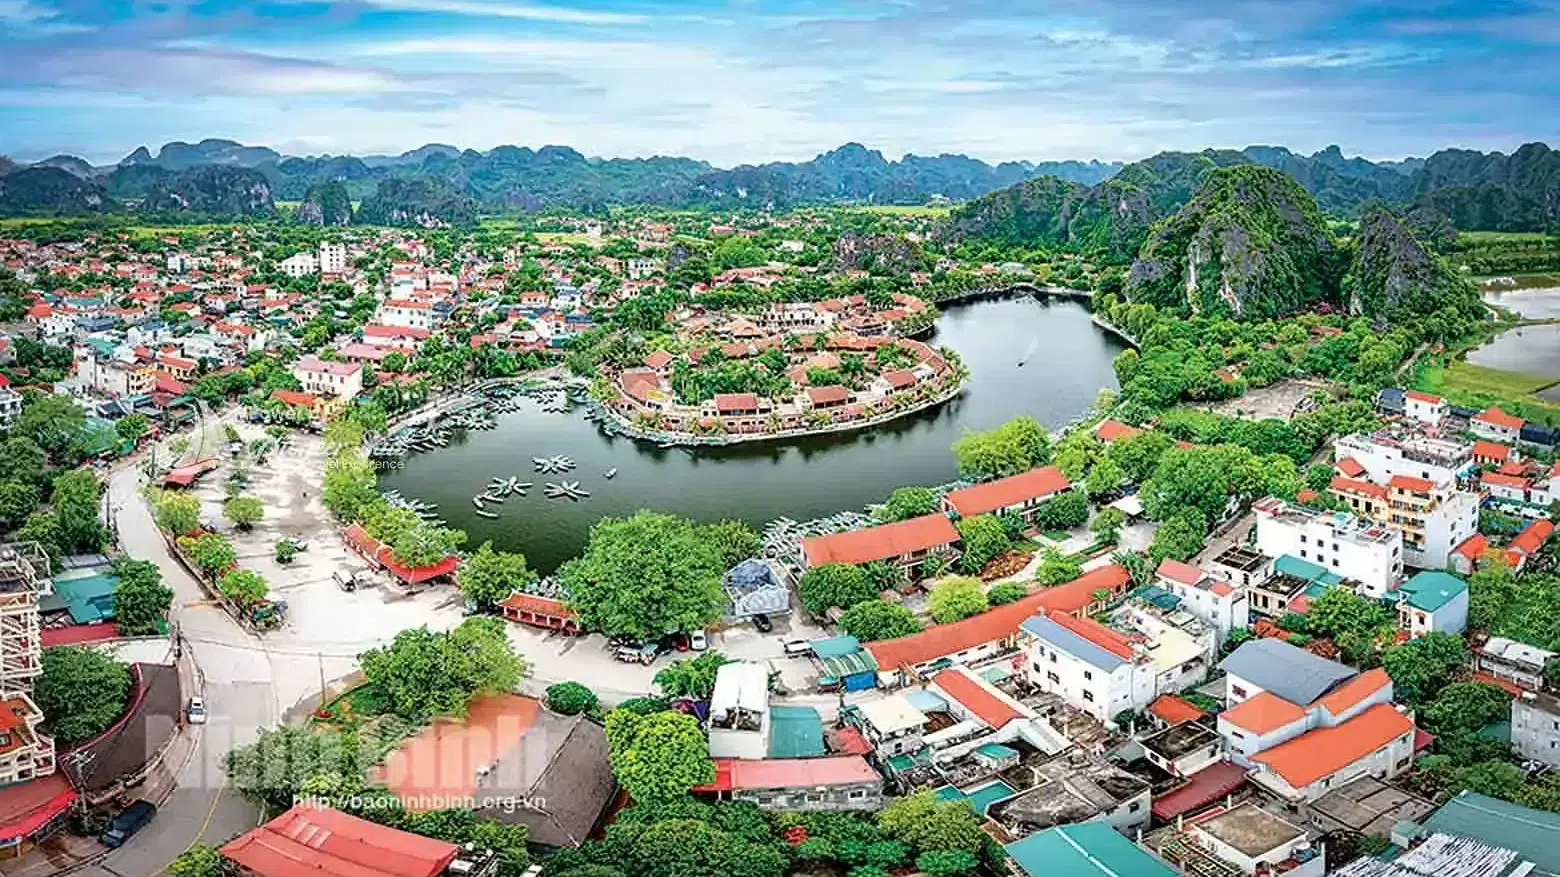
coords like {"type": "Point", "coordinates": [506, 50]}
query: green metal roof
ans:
{"type": "Point", "coordinates": [89, 599]}
{"type": "Point", "coordinates": [1432, 589]}
{"type": "Point", "coordinates": [840, 666]}
{"type": "Point", "coordinates": [1534, 834]}
{"type": "Point", "coordinates": [1085, 849]}
{"type": "Point", "coordinates": [1305, 569]}
{"type": "Point", "coordinates": [795, 732]}
{"type": "Point", "coordinates": [835, 646]}
{"type": "Point", "coordinates": [995, 750]}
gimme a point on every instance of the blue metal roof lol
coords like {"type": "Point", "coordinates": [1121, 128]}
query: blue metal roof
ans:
{"type": "Point", "coordinates": [1288, 671]}
{"type": "Point", "coordinates": [1064, 640]}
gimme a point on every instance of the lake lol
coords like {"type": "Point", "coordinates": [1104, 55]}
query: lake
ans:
{"type": "Point", "coordinates": [803, 478]}
{"type": "Point", "coordinates": [1535, 303]}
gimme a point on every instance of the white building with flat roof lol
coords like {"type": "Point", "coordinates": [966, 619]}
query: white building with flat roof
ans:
{"type": "Point", "coordinates": [1385, 454]}
{"type": "Point", "coordinates": [739, 711]}
{"type": "Point", "coordinates": [1360, 549]}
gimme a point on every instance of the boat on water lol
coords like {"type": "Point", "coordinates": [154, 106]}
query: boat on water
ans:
{"type": "Point", "coordinates": [486, 514]}
{"type": "Point", "coordinates": [609, 473]}
{"type": "Point", "coordinates": [477, 501]}
{"type": "Point", "coordinates": [1028, 352]}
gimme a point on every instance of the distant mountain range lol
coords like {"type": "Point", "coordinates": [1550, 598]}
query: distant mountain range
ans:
{"type": "Point", "coordinates": [1081, 205]}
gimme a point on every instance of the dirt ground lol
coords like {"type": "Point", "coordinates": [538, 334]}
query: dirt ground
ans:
{"type": "Point", "coordinates": [1282, 400]}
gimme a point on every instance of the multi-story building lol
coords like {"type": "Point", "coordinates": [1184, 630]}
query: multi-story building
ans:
{"type": "Point", "coordinates": [1387, 453]}
{"type": "Point", "coordinates": [739, 711]}
{"type": "Point", "coordinates": [344, 380]}
{"type": "Point", "coordinates": [1362, 550]}
{"type": "Point", "coordinates": [10, 403]}
{"type": "Point", "coordinates": [25, 753]}
{"type": "Point", "coordinates": [1433, 518]}
{"type": "Point", "coordinates": [1424, 407]}
{"type": "Point", "coordinates": [1535, 727]}
{"type": "Point", "coordinates": [406, 312]}
{"type": "Point", "coordinates": [300, 265]}
{"type": "Point", "coordinates": [1306, 724]}
{"type": "Point", "coordinates": [1220, 603]}
{"type": "Point", "coordinates": [1496, 425]}
{"type": "Point", "coordinates": [333, 258]}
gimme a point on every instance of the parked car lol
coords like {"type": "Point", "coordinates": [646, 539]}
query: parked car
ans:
{"type": "Point", "coordinates": [681, 642]}
{"type": "Point", "coordinates": [698, 641]}
{"type": "Point", "coordinates": [797, 648]}
{"type": "Point", "coordinates": [762, 622]}
{"type": "Point", "coordinates": [197, 710]}
{"type": "Point", "coordinates": [129, 821]}
{"type": "Point", "coordinates": [644, 654]}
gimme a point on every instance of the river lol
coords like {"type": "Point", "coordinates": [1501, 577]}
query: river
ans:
{"type": "Point", "coordinates": [1069, 362]}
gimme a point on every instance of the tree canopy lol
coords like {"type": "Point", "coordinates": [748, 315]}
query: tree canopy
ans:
{"type": "Point", "coordinates": [956, 597]}
{"type": "Point", "coordinates": [488, 576]}
{"type": "Point", "coordinates": [644, 576]}
{"type": "Point", "coordinates": [659, 756]}
{"type": "Point", "coordinates": [426, 673]}
{"type": "Point", "coordinates": [834, 584]}
{"type": "Point", "coordinates": [878, 619]}
{"type": "Point", "coordinates": [81, 692]}
{"type": "Point", "coordinates": [1017, 446]}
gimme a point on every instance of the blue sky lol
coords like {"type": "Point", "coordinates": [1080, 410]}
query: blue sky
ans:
{"type": "Point", "coordinates": [752, 80]}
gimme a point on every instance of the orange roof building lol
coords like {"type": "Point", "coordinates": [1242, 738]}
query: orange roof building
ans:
{"type": "Point", "coordinates": [312, 841]}
{"type": "Point", "coordinates": [1297, 769]}
{"type": "Point", "coordinates": [1022, 493]}
{"type": "Point", "coordinates": [904, 542]}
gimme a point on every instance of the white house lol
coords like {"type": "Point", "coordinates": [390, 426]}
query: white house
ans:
{"type": "Point", "coordinates": [1424, 407]}
{"type": "Point", "coordinates": [1386, 453]}
{"type": "Point", "coordinates": [1432, 601]}
{"type": "Point", "coordinates": [739, 711]}
{"type": "Point", "coordinates": [333, 258]}
{"type": "Point", "coordinates": [300, 265]}
{"type": "Point", "coordinates": [1092, 667]}
{"type": "Point", "coordinates": [10, 404]}
{"type": "Point", "coordinates": [1363, 550]}
{"type": "Point", "coordinates": [1256, 842]}
{"type": "Point", "coordinates": [1512, 661]}
{"type": "Point", "coordinates": [1496, 425]}
{"type": "Point", "coordinates": [405, 313]}
{"type": "Point", "coordinates": [324, 378]}
{"type": "Point", "coordinates": [1221, 604]}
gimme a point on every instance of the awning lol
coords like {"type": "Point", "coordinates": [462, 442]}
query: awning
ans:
{"type": "Point", "coordinates": [1202, 788]}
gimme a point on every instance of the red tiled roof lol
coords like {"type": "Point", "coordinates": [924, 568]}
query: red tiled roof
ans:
{"type": "Point", "coordinates": [1350, 467]}
{"type": "Point", "coordinates": [941, 640]}
{"type": "Point", "coordinates": [1110, 430]}
{"type": "Point", "coordinates": [962, 687]}
{"type": "Point", "coordinates": [375, 330]}
{"type": "Point", "coordinates": [311, 841]}
{"type": "Point", "coordinates": [1177, 571]}
{"type": "Point", "coordinates": [1497, 417]}
{"type": "Point", "coordinates": [1175, 710]}
{"type": "Point", "coordinates": [1349, 694]}
{"type": "Point", "coordinates": [1203, 788]}
{"type": "Point", "coordinates": [1473, 547]}
{"type": "Point", "coordinates": [1532, 537]}
{"type": "Point", "coordinates": [294, 398]}
{"type": "Point", "coordinates": [1411, 484]}
{"type": "Point", "coordinates": [1322, 752]}
{"type": "Point", "coordinates": [1423, 397]}
{"type": "Point", "coordinates": [521, 602]}
{"type": "Point", "coordinates": [357, 538]}
{"type": "Point", "coordinates": [1487, 450]}
{"type": "Point", "coordinates": [1010, 491]}
{"type": "Point", "coordinates": [28, 806]}
{"type": "Point", "coordinates": [726, 403]}
{"type": "Point", "coordinates": [1110, 640]}
{"type": "Point", "coordinates": [1501, 480]}
{"type": "Point", "coordinates": [1262, 713]}
{"type": "Point", "coordinates": [1365, 488]}
{"type": "Point", "coordinates": [827, 395]}
{"type": "Point", "coordinates": [880, 542]}
{"type": "Point", "coordinates": [659, 359]}
{"type": "Point", "coordinates": [789, 773]}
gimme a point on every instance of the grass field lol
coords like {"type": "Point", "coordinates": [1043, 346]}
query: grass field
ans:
{"type": "Point", "coordinates": [1477, 386]}
{"type": "Point", "coordinates": [1503, 237]}
{"type": "Point", "coordinates": [1481, 379]}
{"type": "Point", "coordinates": [906, 209]}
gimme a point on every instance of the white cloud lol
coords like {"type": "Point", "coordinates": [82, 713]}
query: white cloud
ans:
{"type": "Point", "coordinates": [556, 14]}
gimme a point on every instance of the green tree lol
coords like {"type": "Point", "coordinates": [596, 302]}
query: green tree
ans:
{"type": "Point", "coordinates": [571, 698]}
{"type": "Point", "coordinates": [925, 823]}
{"type": "Point", "coordinates": [878, 619]}
{"type": "Point", "coordinates": [22, 460]}
{"type": "Point", "coordinates": [349, 485]}
{"type": "Point", "coordinates": [733, 541]}
{"type": "Point", "coordinates": [272, 771]}
{"type": "Point", "coordinates": [488, 576]}
{"type": "Point", "coordinates": [947, 863]}
{"type": "Point", "coordinates": [1017, 446]}
{"type": "Point", "coordinates": [132, 427]}
{"type": "Point", "coordinates": [52, 422]}
{"type": "Point", "coordinates": [178, 513]}
{"type": "Point", "coordinates": [1139, 455]}
{"type": "Point", "coordinates": [1004, 593]}
{"type": "Point", "coordinates": [1180, 537]}
{"type": "Point", "coordinates": [81, 692]}
{"type": "Point", "coordinates": [17, 501]}
{"type": "Point", "coordinates": [645, 575]}
{"type": "Point", "coordinates": [426, 544]}
{"type": "Point", "coordinates": [1055, 568]}
{"type": "Point", "coordinates": [244, 511]}
{"type": "Point", "coordinates": [691, 677]}
{"type": "Point", "coordinates": [910, 502]}
{"type": "Point", "coordinates": [211, 552]}
{"type": "Point", "coordinates": [77, 500]}
{"type": "Point", "coordinates": [243, 586]}
{"type": "Point", "coordinates": [956, 597]}
{"type": "Point", "coordinates": [1106, 477]}
{"type": "Point", "coordinates": [1068, 509]}
{"type": "Point", "coordinates": [659, 756]}
{"type": "Point", "coordinates": [1465, 707]}
{"type": "Point", "coordinates": [833, 584]}
{"type": "Point", "coordinates": [200, 860]}
{"type": "Point", "coordinates": [141, 600]}
{"type": "Point", "coordinates": [983, 538]}
{"type": "Point", "coordinates": [1421, 667]}
{"type": "Point", "coordinates": [1107, 524]}
{"type": "Point", "coordinates": [426, 673]}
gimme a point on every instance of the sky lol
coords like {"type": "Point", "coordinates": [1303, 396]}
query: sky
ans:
{"type": "Point", "coordinates": [747, 81]}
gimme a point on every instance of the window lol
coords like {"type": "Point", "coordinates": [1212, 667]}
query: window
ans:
{"type": "Point", "coordinates": [1135, 806]}
{"type": "Point", "coordinates": [1053, 657]}
{"type": "Point", "coordinates": [1302, 539]}
{"type": "Point", "coordinates": [1087, 675]}
{"type": "Point", "coordinates": [1088, 696]}
{"type": "Point", "coordinates": [1237, 691]}
{"type": "Point", "coordinates": [858, 794]}
{"type": "Point", "coordinates": [1055, 679]}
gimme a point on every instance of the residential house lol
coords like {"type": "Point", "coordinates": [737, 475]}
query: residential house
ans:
{"type": "Point", "coordinates": [1433, 518]}
{"type": "Point", "coordinates": [1507, 661]}
{"type": "Point", "coordinates": [1535, 727]}
{"type": "Point", "coordinates": [1496, 425]}
{"type": "Point", "coordinates": [300, 265]}
{"type": "Point", "coordinates": [1022, 494]}
{"type": "Point", "coordinates": [1390, 452]}
{"type": "Point", "coordinates": [333, 258]}
{"type": "Point", "coordinates": [1219, 603]}
{"type": "Point", "coordinates": [739, 711]}
{"type": "Point", "coordinates": [320, 408]}
{"type": "Point", "coordinates": [907, 544]}
{"type": "Point", "coordinates": [1094, 668]}
{"type": "Point", "coordinates": [25, 752]}
{"type": "Point", "coordinates": [1432, 601]}
{"type": "Point", "coordinates": [893, 725]}
{"type": "Point", "coordinates": [1089, 849]}
{"type": "Point", "coordinates": [1425, 407]}
{"type": "Point", "coordinates": [1258, 842]}
{"type": "Point", "coordinates": [313, 839]}
{"type": "Point", "coordinates": [1294, 581]}
{"type": "Point", "coordinates": [1362, 550]}
{"type": "Point", "coordinates": [10, 403]}
{"type": "Point", "coordinates": [838, 782]}
{"type": "Point", "coordinates": [1074, 789]}
{"type": "Point", "coordinates": [343, 380]}
{"type": "Point", "coordinates": [1305, 724]}
{"type": "Point", "coordinates": [405, 313]}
